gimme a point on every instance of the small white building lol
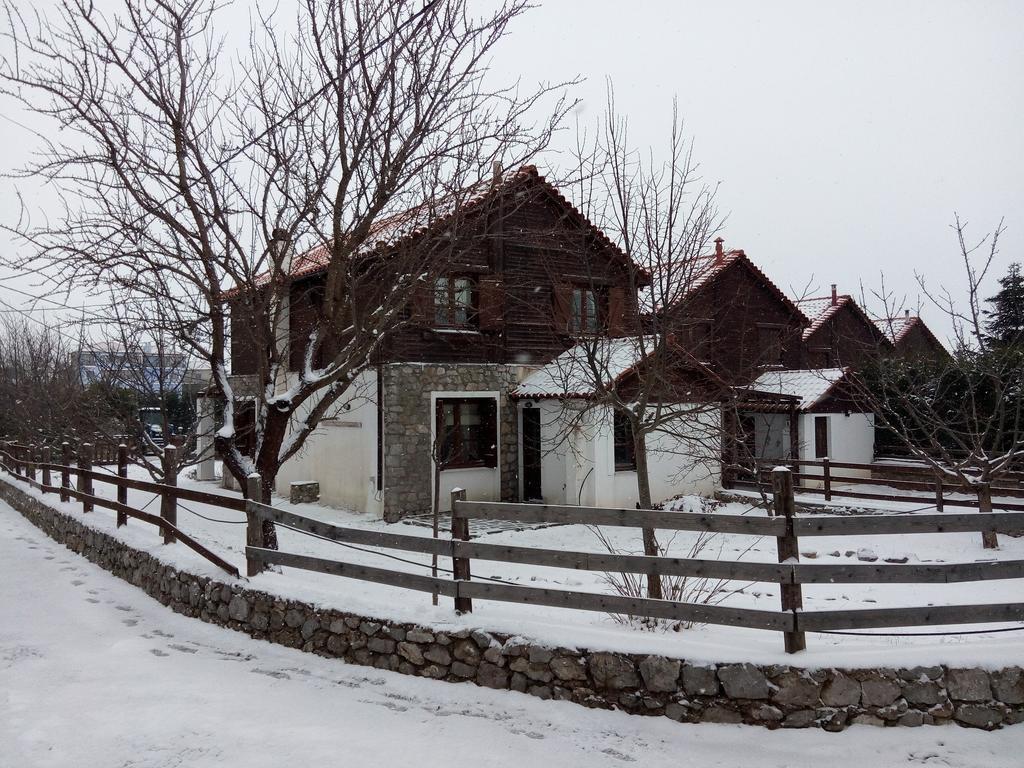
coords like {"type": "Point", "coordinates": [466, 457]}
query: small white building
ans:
{"type": "Point", "coordinates": [576, 450]}
{"type": "Point", "coordinates": [807, 415]}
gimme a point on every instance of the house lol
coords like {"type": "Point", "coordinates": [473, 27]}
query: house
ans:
{"type": "Point", "coordinates": [840, 333]}
{"type": "Point", "coordinates": [809, 415]}
{"type": "Point", "coordinates": [911, 338]}
{"type": "Point", "coordinates": [528, 275]}
{"type": "Point", "coordinates": [576, 449]}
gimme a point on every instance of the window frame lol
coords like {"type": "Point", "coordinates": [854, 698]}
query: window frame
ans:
{"type": "Point", "coordinates": [585, 318]}
{"type": "Point", "coordinates": [622, 440]}
{"type": "Point", "coordinates": [452, 305]}
{"type": "Point", "coordinates": [488, 458]}
{"type": "Point", "coordinates": [778, 331]}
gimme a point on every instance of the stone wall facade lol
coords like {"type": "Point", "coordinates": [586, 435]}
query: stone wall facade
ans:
{"type": "Point", "coordinates": [775, 696]}
{"type": "Point", "coordinates": [408, 418]}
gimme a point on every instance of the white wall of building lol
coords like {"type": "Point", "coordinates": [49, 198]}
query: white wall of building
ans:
{"type": "Point", "coordinates": [341, 454]}
{"type": "Point", "coordinates": [851, 438]}
{"type": "Point", "coordinates": [578, 462]}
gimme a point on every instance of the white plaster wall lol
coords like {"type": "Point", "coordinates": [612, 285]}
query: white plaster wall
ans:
{"type": "Point", "coordinates": [578, 464]}
{"type": "Point", "coordinates": [341, 454]}
{"type": "Point", "coordinates": [851, 438]}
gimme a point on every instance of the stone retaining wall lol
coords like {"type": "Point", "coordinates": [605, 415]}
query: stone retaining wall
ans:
{"type": "Point", "coordinates": [768, 695]}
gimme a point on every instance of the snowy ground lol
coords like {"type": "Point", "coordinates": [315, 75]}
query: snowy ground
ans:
{"type": "Point", "coordinates": [224, 533]}
{"type": "Point", "coordinates": [95, 673]}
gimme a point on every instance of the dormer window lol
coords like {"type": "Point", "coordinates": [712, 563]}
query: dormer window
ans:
{"type": "Point", "coordinates": [453, 302]}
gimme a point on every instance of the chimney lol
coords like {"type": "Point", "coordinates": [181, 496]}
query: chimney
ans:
{"type": "Point", "coordinates": [496, 172]}
{"type": "Point", "coordinates": [906, 313]}
{"type": "Point", "coordinates": [719, 253]}
{"type": "Point", "coordinates": [835, 298]}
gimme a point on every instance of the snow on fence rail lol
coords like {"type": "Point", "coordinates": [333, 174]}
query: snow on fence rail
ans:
{"type": "Point", "coordinates": [824, 482]}
{"type": "Point", "coordinates": [24, 462]}
{"type": "Point", "coordinates": [789, 573]}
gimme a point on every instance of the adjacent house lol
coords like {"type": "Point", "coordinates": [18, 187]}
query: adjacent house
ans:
{"type": "Point", "coordinates": [910, 337]}
{"type": "Point", "coordinates": [840, 333]}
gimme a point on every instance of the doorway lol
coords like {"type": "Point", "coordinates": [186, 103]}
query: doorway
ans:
{"type": "Point", "coordinates": [531, 455]}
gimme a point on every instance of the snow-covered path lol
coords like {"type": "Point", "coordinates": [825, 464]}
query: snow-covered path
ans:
{"type": "Point", "coordinates": [95, 673]}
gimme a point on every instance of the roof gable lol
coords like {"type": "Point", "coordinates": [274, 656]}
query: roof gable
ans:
{"type": "Point", "coordinates": [822, 310]}
{"type": "Point", "coordinates": [718, 266]}
{"type": "Point", "coordinates": [431, 217]}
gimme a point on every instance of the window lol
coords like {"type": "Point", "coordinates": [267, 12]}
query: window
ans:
{"type": "Point", "coordinates": [699, 333]}
{"type": "Point", "coordinates": [453, 301]}
{"type": "Point", "coordinates": [769, 343]}
{"type": "Point", "coordinates": [625, 450]}
{"type": "Point", "coordinates": [467, 429]}
{"type": "Point", "coordinates": [583, 317]}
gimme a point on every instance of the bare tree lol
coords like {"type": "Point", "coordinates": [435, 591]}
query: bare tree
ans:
{"type": "Point", "coordinates": [961, 414]}
{"type": "Point", "coordinates": [206, 189]}
{"type": "Point", "coordinates": [645, 373]}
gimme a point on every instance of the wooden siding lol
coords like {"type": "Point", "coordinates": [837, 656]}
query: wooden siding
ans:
{"type": "Point", "coordinates": [737, 308]}
{"type": "Point", "coordinates": [849, 338]}
{"type": "Point", "coordinates": [520, 263]}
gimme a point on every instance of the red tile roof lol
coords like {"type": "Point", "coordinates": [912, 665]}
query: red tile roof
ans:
{"type": "Point", "coordinates": [821, 310]}
{"type": "Point", "coordinates": [395, 230]}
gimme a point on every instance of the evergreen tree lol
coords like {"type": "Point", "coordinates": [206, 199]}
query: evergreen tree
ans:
{"type": "Point", "coordinates": [1005, 324]}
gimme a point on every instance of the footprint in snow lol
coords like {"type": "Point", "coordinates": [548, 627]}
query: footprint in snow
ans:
{"type": "Point", "coordinates": [618, 755]}
{"type": "Point", "coordinates": [92, 600]}
{"type": "Point", "coordinates": [158, 652]}
{"type": "Point", "coordinates": [272, 673]}
{"type": "Point", "coordinates": [77, 582]}
{"type": "Point", "coordinates": [183, 648]}
{"type": "Point", "coordinates": [123, 607]}
{"type": "Point", "coordinates": [161, 633]}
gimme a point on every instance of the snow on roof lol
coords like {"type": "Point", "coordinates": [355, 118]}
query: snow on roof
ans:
{"type": "Point", "coordinates": [389, 232]}
{"type": "Point", "coordinates": [574, 373]}
{"type": "Point", "coordinates": [820, 311]}
{"type": "Point", "coordinates": [811, 386]}
{"type": "Point", "coordinates": [895, 328]}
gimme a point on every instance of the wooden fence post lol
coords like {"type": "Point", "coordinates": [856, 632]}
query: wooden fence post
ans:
{"type": "Point", "coordinates": [65, 470]}
{"type": "Point", "coordinates": [989, 540]}
{"type": "Point", "coordinates": [828, 478]}
{"type": "Point", "coordinates": [789, 551]}
{"type": "Point", "coordinates": [253, 525]}
{"type": "Point", "coordinates": [31, 466]}
{"type": "Point", "coordinates": [122, 490]}
{"type": "Point", "coordinates": [44, 457]}
{"type": "Point", "coordinates": [938, 492]}
{"type": "Point", "coordinates": [168, 501]}
{"type": "Point", "coordinates": [84, 480]}
{"type": "Point", "coordinates": [460, 565]}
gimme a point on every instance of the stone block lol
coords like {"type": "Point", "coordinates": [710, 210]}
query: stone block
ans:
{"type": "Point", "coordinates": [304, 492]}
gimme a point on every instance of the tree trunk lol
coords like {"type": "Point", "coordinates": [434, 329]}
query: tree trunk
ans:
{"type": "Point", "coordinates": [643, 488]}
{"type": "Point", "coordinates": [988, 538]}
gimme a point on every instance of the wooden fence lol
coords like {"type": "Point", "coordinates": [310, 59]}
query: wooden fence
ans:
{"type": "Point", "coordinates": [788, 573]}
{"type": "Point", "coordinates": [34, 467]}
{"type": "Point", "coordinates": [820, 477]}
{"type": "Point", "coordinates": [782, 523]}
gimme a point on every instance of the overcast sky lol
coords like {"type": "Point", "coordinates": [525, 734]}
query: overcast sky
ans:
{"type": "Point", "coordinates": [844, 135]}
